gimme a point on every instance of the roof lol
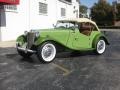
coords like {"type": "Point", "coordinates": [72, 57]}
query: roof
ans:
{"type": "Point", "coordinates": [79, 20]}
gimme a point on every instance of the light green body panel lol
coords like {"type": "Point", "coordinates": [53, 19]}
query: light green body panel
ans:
{"type": "Point", "coordinates": [78, 41]}
{"type": "Point", "coordinates": [72, 39]}
{"type": "Point", "coordinates": [58, 35]}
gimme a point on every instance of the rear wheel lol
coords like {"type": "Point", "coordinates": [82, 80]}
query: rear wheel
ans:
{"type": "Point", "coordinates": [46, 52]}
{"type": "Point", "coordinates": [100, 47]}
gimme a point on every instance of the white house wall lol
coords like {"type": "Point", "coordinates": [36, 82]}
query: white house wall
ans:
{"type": "Point", "coordinates": [27, 17]}
{"type": "Point", "coordinates": [39, 21]}
{"type": "Point", "coordinates": [16, 22]}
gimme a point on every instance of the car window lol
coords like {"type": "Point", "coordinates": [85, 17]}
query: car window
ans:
{"type": "Point", "coordinates": [86, 28]}
{"type": "Point", "coordinates": [93, 27]}
{"type": "Point", "coordinates": [65, 25]}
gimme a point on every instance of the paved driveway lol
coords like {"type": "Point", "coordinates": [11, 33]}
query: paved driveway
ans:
{"type": "Point", "coordinates": [82, 71]}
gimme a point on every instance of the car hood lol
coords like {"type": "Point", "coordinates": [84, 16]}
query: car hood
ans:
{"type": "Point", "coordinates": [52, 31]}
{"type": "Point", "coordinates": [49, 30]}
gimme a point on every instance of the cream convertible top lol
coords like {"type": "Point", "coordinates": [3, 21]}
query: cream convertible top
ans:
{"type": "Point", "coordinates": [79, 20]}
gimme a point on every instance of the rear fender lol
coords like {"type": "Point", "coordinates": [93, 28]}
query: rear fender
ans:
{"type": "Point", "coordinates": [21, 39]}
{"type": "Point", "coordinates": [99, 36]}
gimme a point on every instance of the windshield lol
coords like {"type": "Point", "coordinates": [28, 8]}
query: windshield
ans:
{"type": "Point", "coordinates": [65, 25]}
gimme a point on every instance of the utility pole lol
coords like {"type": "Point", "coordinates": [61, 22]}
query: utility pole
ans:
{"type": "Point", "coordinates": [114, 11]}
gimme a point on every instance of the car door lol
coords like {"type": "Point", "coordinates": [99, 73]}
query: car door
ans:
{"type": "Point", "coordinates": [82, 36]}
{"type": "Point", "coordinates": [62, 32]}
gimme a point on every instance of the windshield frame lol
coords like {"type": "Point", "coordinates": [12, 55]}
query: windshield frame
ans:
{"type": "Point", "coordinates": [69, 25]}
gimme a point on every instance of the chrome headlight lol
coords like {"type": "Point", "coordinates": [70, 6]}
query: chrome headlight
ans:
{"type": "Point", "coordinates": [37, 33]}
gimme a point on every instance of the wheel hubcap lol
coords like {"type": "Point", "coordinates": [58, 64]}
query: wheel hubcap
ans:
{"type": "Point", "coordinates": [101, 46]}
{"type": "Point", "coordinates": [48, 52]}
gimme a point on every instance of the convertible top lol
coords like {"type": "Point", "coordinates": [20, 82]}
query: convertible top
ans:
{"type": "Point", "coordinates": [79, 20]}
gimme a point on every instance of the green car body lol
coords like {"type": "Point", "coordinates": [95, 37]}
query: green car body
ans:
{"type": "Point", "coordinates": [67, 38]}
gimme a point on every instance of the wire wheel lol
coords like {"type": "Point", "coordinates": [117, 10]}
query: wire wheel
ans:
{"type": "Point", "coordinates": [101, 46]}
{"type": "Point", "coordinates": [47, 52]}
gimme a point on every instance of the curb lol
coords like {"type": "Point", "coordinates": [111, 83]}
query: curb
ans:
{"type": "Point", "coordinates": [5, 44]}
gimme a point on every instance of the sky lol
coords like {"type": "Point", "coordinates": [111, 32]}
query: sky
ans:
{"type": "Point", "coordinates": [89, 3]}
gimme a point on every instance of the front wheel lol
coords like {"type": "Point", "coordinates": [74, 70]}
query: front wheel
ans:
{"type": "Point", "coordinates": [100, 47]}
{"type": "Point", "coordinates": [46, 52]}
{"type": "Point", "coordinates": [23, 54]}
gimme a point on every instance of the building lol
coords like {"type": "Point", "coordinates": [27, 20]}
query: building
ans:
{"type": "Point", "coordinates": [33, 14]}
{"type": "Point", "coordinates": [118, 1]}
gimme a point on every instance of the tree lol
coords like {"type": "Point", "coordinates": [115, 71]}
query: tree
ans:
{"type": "Point", "coordinates": [118, 12]}
{"type": "Point", "coordinates": [102, 13]}
{"type": "Point", "coordinates": [83, 10]}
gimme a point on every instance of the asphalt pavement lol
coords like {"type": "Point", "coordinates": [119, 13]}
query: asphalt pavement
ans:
{"type": "Point", "coordinates": [81, 71]}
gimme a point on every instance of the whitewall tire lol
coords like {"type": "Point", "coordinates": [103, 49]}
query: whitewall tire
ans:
{"type": "Point", "coordinates": [47, 52]}
{"type": "Point", "coordinates": [101, 46]}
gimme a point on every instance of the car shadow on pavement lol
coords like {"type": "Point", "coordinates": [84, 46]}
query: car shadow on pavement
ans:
{"type": "Point", "coordinates": [74, 54]}
{"type": "Point", "coordinates": [11, 53]}
{"type": "Point", "coordinates": [33, 59]}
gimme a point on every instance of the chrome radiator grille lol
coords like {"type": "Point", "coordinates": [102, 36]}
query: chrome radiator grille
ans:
{"type": "Point", "coordinates": [30, 39]}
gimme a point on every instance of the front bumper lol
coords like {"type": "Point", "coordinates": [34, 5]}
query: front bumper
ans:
{"type": "Point", "coordinates": [26, 42]}
{"type": "Point", "coordinates": [24, 49]}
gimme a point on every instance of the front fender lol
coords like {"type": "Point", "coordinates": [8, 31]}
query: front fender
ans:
{"type": "Point", "coordinates": [41, 40]}
{"type": "Point", "coordinates": [97, 37]}
{"type": "Point", "coordinates": [21, 39]}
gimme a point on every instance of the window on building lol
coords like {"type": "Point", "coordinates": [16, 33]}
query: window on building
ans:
{"type": "Point", "coordinates": [78, 1]}
{"type": "Point", "coordinates": [68, 0]}
{"type": "Point", "coordinates": [1, 7]}
{"type": "Point", "coordinates": [63, 12]}
{"type": "Point", "coordinates": [43, 8]}
{"type": "Point", "coordinates": [9, 7]}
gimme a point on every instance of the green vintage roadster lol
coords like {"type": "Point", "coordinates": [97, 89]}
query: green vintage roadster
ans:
{"type": "Point", "coordinates": [79, 34]}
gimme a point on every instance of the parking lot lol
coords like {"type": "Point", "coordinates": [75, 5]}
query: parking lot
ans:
{"type": "Point", "coordinates": [82, 71]}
